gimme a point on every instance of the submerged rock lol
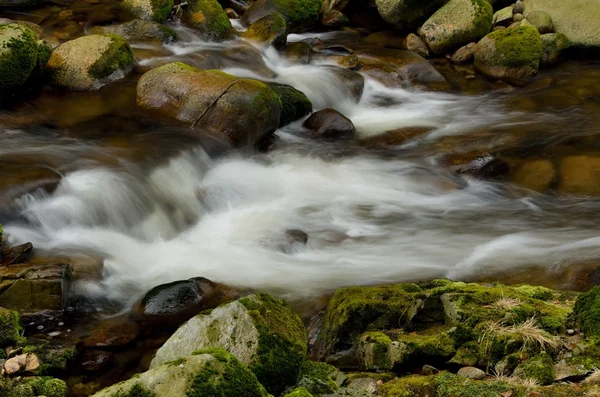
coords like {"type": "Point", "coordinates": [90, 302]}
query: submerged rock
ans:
{"type": "Point", "coordinates": [208, 99]}
{"type": "Point", "coordinates": [579, 175]}
{"type": "Point", "coordinates": [211, 372]}
{"type": "Point", "coordinates": [262, 332]}
{"type": "Point", "coordinates": [139, 30]}
{"type": "Point", "coordinates": [512, 54]}
{"type": "Point", "coordinates": [113, 332]}
{"type": "Point", "coordinates": [300, 15]}
{"type": "Point", "coordinates": [457, 23]}
{"type": "Point", "coordinates": [90, 62]}
{"type": "Point", "coordinates": [150, 10]}
{"type": "Point", "coordinates": [329, 124]}
{"type": "Point", "coordinates": [405, 14]}
{"type": "Point", "coordinates": [20, 55]}
{"type": "Point", "coordinates": [294, 104]}
{"type": "Point", "coordinates": [271, 30]}
{"type": "Point", "coordinates": [208, 18]}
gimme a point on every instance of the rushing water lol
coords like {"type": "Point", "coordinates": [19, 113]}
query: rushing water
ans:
{"type": "Point", "coordinates": [161, 206]}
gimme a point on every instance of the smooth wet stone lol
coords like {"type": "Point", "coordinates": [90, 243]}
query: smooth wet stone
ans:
{"type": "Point", "coordinates": [536, 175]}
{"type": "Point", "coordinates": [471, 373]}
{"type": "Point", "coordinates": [294, 103]}
{"type": "Point", "coordinates": [113, 333]}
{"type": "Point", "coordinates": [414, 43]}
{"type": "Point", "coordinates": [329, 124]}
{"type": "Point", "coordinates": [518, 18]}
{"type": "Point", "coordinates": [580, 175]}
{"type": "Point", "coordinates": [208, 18]}
{"type": "Point", "coordinates": [270, 30]}
{"type": "Point", "coordinates": [463, 54]}
{"type": "Point", "coordinates": [16, 254]}
{"type": "Point", "coordinates": [395, 137]}
{"type": "Point", "coordinates": [334, 18]}
{"type": "Point", "coordinates": [542, 21]}
{"type": "Point", "coordinates": [298, 52]}
{"type": "Point", "coordinates": [95, 360]}
{"type": "Point", "coordinates": [518, 7]}
{"type": "Point", "coordinates": [554, 47]}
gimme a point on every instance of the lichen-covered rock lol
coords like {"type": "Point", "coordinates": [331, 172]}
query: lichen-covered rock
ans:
{"type": "Point", "coordinates": [207, 100]}
{"type": "Point", "coordinates": [18, 55]}
{"type": "Point", "coordinates": [457, 23]}
{"type": "Point", "coordinates": [9, 327]}
{"type": "Point", "coordinates": [211, 372]}
{"type": "Point", "coordinates": [37, 29]}
{"type": "Point", "coordinates": [300, 15]}
{"type": "Point", "coordinates": [406, 14]}
{"type": "Point", "coordinates": [261, 331]}
{"type": "Point", "coordinates": [139, 30]}
{"type": "Point", "coordinates": [320, 378]}
{"type": "Point", "coordinates": [150, 10]}
{"type": "Point", "coordinates": [208, 18]}
{"type": "Point", "coordinates": [554, 46]}
{"type": "Point", "coordinates": [294, 104]}
{"type": "Point", "coordinates": [90, 62]}
{"type": "Point", "coordinates": [512, 54]}
{"type": "Point", "coordinates": [542, 21]}
{"type": "Point", "coordinates": [270, 29]}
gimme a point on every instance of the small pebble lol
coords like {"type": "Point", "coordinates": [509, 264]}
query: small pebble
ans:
{"type": "Point", "coordinates": [40, 327]}
{"type": "Point", "coordinates": [429, 370]}
{"type": "Point", "coordinates": [517, 17]}
{"type": "Point", "coordinates": [571, 332]}
{"type": "Point", "coordinates": [471, 373]}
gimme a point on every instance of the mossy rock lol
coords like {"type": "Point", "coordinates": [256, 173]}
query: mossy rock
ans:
{"type": "Point", "coordinates": [210, 372]}
{"type": "Point", "coordinates": [457, 23]}
{"type": "Point", "coordinates": [139, 30]}
{"type": "Point", "coordinates": [33, 386]}
{"type": "Point", "coordinates": [512, 54]}
{"type": "Point", "coordinates": [18, 55]}
{"type": "Point", "coordinates": [407, 14]}
{"type": "Point", "coordinates": [554, 46]}
{"type": "Point", "coordinates": [55, 358]}
{"type": "Point", "coordinates": [206, 100]}
{"type": "Point", "coordinates": [149, 10]}
{"type": "Point", "coordinates": [300, 15]}
{"type": "Point", "coordinates": [320, 378]}
{"type": "Point", "coordinates": [208, 18]}
{"type": "Point", "coordinates": [9, 327]}
{"type": "Point", "coordinates": [539, 368]}
{"type": "Point", "coordinates": [299, 392]}
{"type": "Point", "coordinates": [270, 29]}
{"type": "Point", "coordinates": [90, 62]}
{"type": "Point", "coordinates": [294, 103]}
{"type": "Point", "coordinates": [587, 312]}
{"type": "Point", "coordinates": [261, 331]}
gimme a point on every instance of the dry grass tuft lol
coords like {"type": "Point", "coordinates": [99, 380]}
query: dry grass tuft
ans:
{"type": "Point", "coordinates": [528, 332]}
{"type": "Point", "coordinates": [506, 303]}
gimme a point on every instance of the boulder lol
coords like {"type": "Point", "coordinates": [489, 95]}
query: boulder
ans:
{"type": "Point", "coordinates": [512, 54]}
{"type": "Point", "coordinates": [261, 331]}
{"type": "Point", "coordinates": [587, 312]}
{"type": "Point", "coordinates": [20, 55]}
{"type": "Point", "coordinates": [406, 14]}
{"type": "Point", "coordinates": [320, 378]}
{"type": "Point", "coordinates": [270, 29]}
{"type": "Point", "coordinates": [300, 15]}
{"type": "Point", "coordinates": [554, 46]}
{"type": "Point", "coordinates": [542, 21]}
{"type": "Point", "coordinates": [9, 327]}
{"type": "Point", "coordinates": [457, 23]}
{"type": "Point", "coordinates": [334, 18]}
{"type": "Point", "coordinates": [412, 42]}
{"type": "Point", "coordinates": [139, 30]}
{"type": "Point", "coordinates": [329, 124]}
{"type": "Point", "coordinates": [579, 22]}
{"type": "Point", "coordinates": [464, 54]}
{"type": "Point", "coordinates": [37, 29]}
{"type": "Point", "coordinates": [208, 18]}
{"type": "Point", "coordinates": [150, 10]}
{"type": "Point", "coordinates": [294, 104]}
{"type": "Point", "coordinates": [209, 99]}
{"type": "Point", "coordinates": [90, 62]}
{"type": "Point", "coordinates": [503, 17]}
{"type": "Point", "coordinates": [211, 372]}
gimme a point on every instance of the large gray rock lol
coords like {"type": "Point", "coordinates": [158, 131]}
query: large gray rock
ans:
{"type": "Point", "coordinates": [405, 14]}
{"type": "Point", "coordinates": [457, 23]}
{"type": "Point", "coordinates": [262, 332]}
{"type": "Point", "coordinates": [579, 21]}
{"type": "Point", "coordinates": [240, 111]}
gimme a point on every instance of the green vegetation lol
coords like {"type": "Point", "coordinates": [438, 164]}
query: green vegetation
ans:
{"type": "Point", "coordinates": [119, 56]}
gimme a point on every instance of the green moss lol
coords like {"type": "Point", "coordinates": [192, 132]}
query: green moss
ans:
{"type": "Point", "coordinates": [484, 14]}
{"type": "Point", "coordinates": [299, 392]}
{"type": "Point", "coordinates": [119, 56]}
{"type": "Point", "coordinates": [228, 378]}
{"type": "Point", "coordinates": [318, 378]}
{"type": "Point", "coordinates": [410, 386]}
{"type": "Point", "coordinates": [300, 15]}
{"type": "Point", "coordinates": [208, 17]}
{"type": "Point", "coordinates": [455, 386]}
{"type": "Point", "coordinates": [43, 55]}
{"type": "Point", "coordinates": [517, 47]}
{"type": "Point", "coordinates": [18, 55]}
{"type": "Point", "coordinates": [282, 341]}
{"type": "Point", "coordinates": [377, 376]}
{"type": "Point", "coordinates": [294, 104]}
{"type": "Point", "coordinates": [54, 388]}
{"type": "Point", "coordinates": [539, 368]}
{"type": "Point", "coordinates": [9, 327]}
{"type": "Point", "coordinates": [162, 10]}
{"type": "Point", "coordinates": [54, 359]}
{"type": "Point", "coordinates": [536, 292]}
{"type": "Point", "coordinates": [466, 355]}
{"type": "Point", "coordinates": [177, 362]}
{"type": "Point", "coordinates": [270, 29]}
{"type": "Point", "coordinates": [375, 348]}
{"type": "Point", "coordinates": [136, 391]}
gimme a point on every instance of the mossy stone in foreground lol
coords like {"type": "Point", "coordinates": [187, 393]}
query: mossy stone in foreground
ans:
{"type": "Point", "coordinates": [9, 327]}
{"type": "Point", "coordinates": [406, 14]}
{"type": "Point", "coordinates": [18, 55]}
{"type": "Point", "coordinates": [208, 18]}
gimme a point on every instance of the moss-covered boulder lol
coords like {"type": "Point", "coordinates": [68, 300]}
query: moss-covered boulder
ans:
{"type": "Point", "coordinates": [19, 51]}
{"type": "Point", "coordinates": [9, 327]}
{"type": "Point", "coordinates": [150, 10]}
{"type": "Point", "coordinates": [320, 378]}
{"type": "Point", "coordinates": [208, 18]}
{"type": "Point", "coordinates": [294, 104]}
{"type": "Point", "coordinates": [554, 46]}
{"type": "Point", "coordinates": [512, 54]}
{"type": "Point", "coordinates": [90, 62]}
{"type": "Point", "coordinates": [587, 312]}
{"type": "Point", "coordinates": [406, 14]}
{"type": "Point", "coordinates": [209, 100]}
{"type": "Point", "coordinates": [261, 331]}
{"type": "Point", "coordinates": [33, 386]}
{"type": "Point", "coordinates": [539, 368]}
{"type": "Point", "coordinates": [212, 372]}
{"type": "Point", "coordinates": [270, 29]}
{"type": "Point", "coordinates": [139, 30]}
{"type": "Point", "coordinates": [300, 15]}
{"type": "Point", "coordinates": [457, 23]}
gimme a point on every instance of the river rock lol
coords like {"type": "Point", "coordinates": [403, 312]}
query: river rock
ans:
{"type": "Point", "coordinates": [457, 23]}
{"type": "Point", "coordinates": [579, 175]}
{"type": "Point", "coordinates": [139, 30]}
{"type": "Point", "coordinates": [464, 54]}
{"type": "Point", "coordinates": [478, 164]}
{"type": "Point", "coordinates": [536, 175]}
{"type": "Point", "coordinates": [334, 18]}
{"type": "Point", "coordinates": [150, 10]}
{"type": "Point", "coordinates": [261, 331]}
{"type": "Point", "coordinates": [180, 300]}
{"type": "Point", "coordinates": [471, 373]}
{"type": "Point", "coordinates": [90, 62]}
{"type": "Point", "coordinates": [412, 42]}
{"type": "Point", "coordinates": [208, 99]}
{"type": "Point", "coordinates": [512, 54]}
{"type": "Point", "coordinates": [37, 29]}
{"type": "Point", "coordinates": [542, 21]}
{"type": "Point", "coordinates": [270, 29]}
{"type": "Point", "coordinates": [294, 104]}
{"type": "Point", "coordinates": [21, 55]}
{"type": "Point", "coordinates": [353, 82]}
{"type": "Point", "coordinates": [208, 18]}
{"type": "Point", "coordinates": [22, 363]}
{"type": "Point", "coordinates": [406, 14]}
{"type": "Point", "coordinates": [554, 46]}
{"type": "Point", "coordinates": [517, 18]}
{"type": "Point", "coordinates": [503, 17]}
{"type": "Point", "coordinates": [9, 327]}
{"type": "Point", "coordinates": [329, 124]}
{"type": "Point", "coordinates": [518, 7]}
{"type": "Point", "coordinates": [211, 372]}
{"type": "Point", "coordinates": [300, 15]}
